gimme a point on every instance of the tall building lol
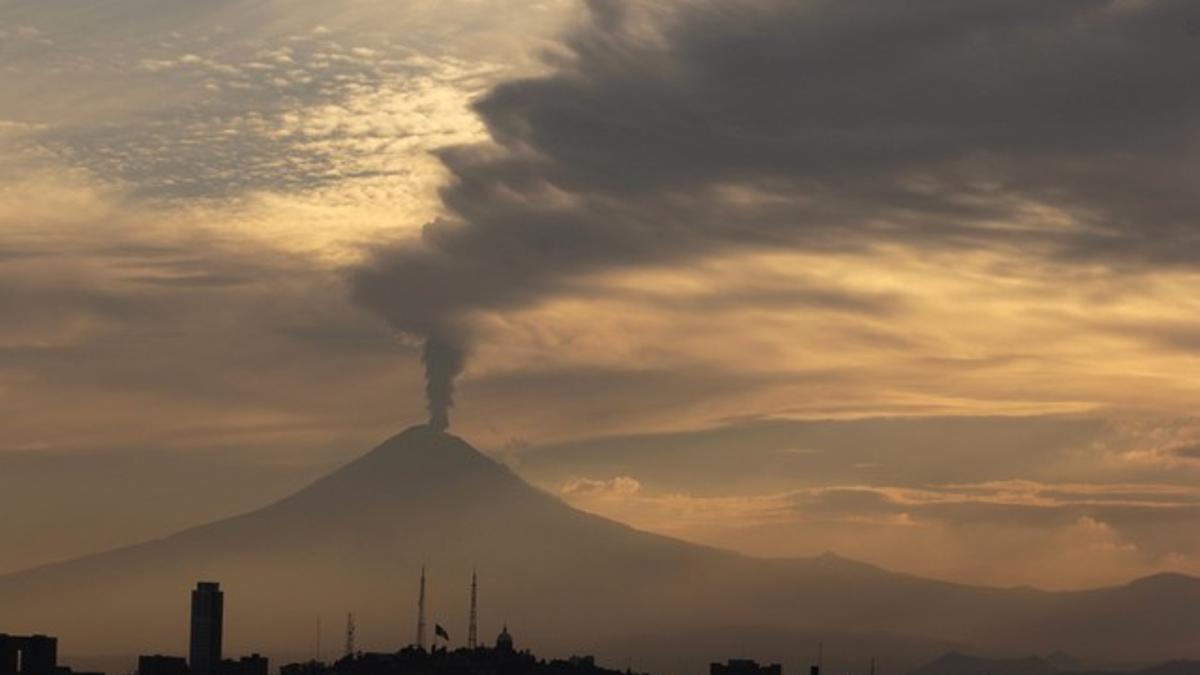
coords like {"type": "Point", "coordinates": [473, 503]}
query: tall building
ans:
{"type": "Point", "coordinates": [33, 655]}
{"type": "Point", "coordinates": [208, 608]}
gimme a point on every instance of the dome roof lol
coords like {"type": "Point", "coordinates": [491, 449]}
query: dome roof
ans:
{"type": "Point", "coordinates": [504, 640]}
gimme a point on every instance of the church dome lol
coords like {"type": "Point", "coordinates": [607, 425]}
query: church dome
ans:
{"type": "Point", "coordinates": [504, 641]}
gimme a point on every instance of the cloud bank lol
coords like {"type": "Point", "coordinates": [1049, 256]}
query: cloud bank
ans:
{"type": "Point", "coordinates": [667, 133]}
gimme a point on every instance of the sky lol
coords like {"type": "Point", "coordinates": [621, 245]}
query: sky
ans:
{"type": "Point", "coordinates": [912, 282]}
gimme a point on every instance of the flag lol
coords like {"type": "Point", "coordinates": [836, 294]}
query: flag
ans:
{"type": "Point", "coordinates": [439, 632]}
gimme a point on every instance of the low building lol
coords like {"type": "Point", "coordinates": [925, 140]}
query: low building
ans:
{"type": "Point", "coordinates": [744, 667]}
{"type": "Point", "coordinates": [31, 655]}
{"type": "Point", "coordinates": [305, 668]}
{"type": "Point", "coordinates": [157, 664]}
{"type": "Point", "coordinates": [247, 665]}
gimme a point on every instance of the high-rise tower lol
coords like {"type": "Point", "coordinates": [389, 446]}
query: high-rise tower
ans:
{"type": "Point", "coordinates": [472, 627]}
{"type": "Point", "coordinates": [208, 609]}
{"type": "Point", "coordinates": [421, 612]}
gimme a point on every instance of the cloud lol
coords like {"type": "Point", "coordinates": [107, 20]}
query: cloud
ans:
{"type": "Point", "coordinates": [1188, 452]}
{"type": "Point", "coordinates": [1003, 532]}
{"type": "Point", "coordinates": [148, 327]}
{"type": "Point", "coordinates": [1050, 500]}
{"type": "Point", "coordinates": [306, 116]}
{"type": "Point", "coordinates": [310, 98]}
{"type": "Point", "coordinates": [620, 486]}
{"type": "Point", "coordinates": [670, 132]}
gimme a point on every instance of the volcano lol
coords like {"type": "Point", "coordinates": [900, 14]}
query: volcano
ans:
{"type": "Point", "coordinates": [562, 579]}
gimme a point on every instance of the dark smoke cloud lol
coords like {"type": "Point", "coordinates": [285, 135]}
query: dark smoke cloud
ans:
{"type": "Point", "coordinates": [1188, 452]}
{"type": "Point", "coordinates": [443, 357]}
{"type": "Point", "coordinates": [668, 131]}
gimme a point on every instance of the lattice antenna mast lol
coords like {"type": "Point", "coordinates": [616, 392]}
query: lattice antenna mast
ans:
{"type": "Point", "coordinates": [472, 627]}
{"type": "Point", "coordinates": [350, 635]}
{"type": "Point", "coordinates": [421, 612]}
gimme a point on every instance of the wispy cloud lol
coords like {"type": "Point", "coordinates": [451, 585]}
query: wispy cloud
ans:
{"type": "Point", "coordinates": [1125, 530]}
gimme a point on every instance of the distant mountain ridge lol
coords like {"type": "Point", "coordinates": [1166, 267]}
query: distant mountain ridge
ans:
{"type": "Point", "coordinates": [564, 580]}
{"type": "Point", "coordinates": [955, 663]}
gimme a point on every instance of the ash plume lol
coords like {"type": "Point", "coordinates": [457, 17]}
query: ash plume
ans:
{"type": "Point", "coordinates": [444, 359]}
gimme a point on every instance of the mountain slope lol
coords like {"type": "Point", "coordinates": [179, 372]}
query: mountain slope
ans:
{"type": "Point", "coordinates": [356, 539]}
{"type": "Point", "coordinates": [955, 663]}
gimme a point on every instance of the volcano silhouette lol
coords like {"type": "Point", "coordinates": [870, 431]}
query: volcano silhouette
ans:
{"type": "Point", "coordinates": [566, 580]}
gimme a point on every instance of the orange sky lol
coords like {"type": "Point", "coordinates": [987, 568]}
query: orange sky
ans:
{"type": "Point", "coordinates": [183, 206]}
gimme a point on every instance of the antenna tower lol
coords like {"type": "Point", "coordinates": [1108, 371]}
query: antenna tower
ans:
{"type": "Point", "coordinates": [318, 646]}
{"type": "Point", "coordinates": [421, 612]}
{"type": "Point", "coordinates": [350, 635]}
{"type": "Point", "coordinates": [472, 627]}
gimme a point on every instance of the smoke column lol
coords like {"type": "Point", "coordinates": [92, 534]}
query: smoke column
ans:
{"type": "Point", "coordinates": [444, 358]}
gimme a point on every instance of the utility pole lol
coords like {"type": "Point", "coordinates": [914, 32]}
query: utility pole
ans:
{"type": "Point", "coordinates": [350, 635]}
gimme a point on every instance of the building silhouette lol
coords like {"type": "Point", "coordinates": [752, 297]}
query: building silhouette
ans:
{"type": "Point", "coordinates": [504, 641]}
{"type": "Point", "coordinates": [247, 665]}
{"type": "Point", "coordinates": [208, 608]}
{"type": "Point", "coordinates": [503, 659]}
{"type": "Point", "coordinates": [744, 667]}
{"type": "Point", "coordinates": [157, 664]}
{"type": "Point", "coordinates": [312, 667]}
{"type": "Point", "coordinates": [32, 655]}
